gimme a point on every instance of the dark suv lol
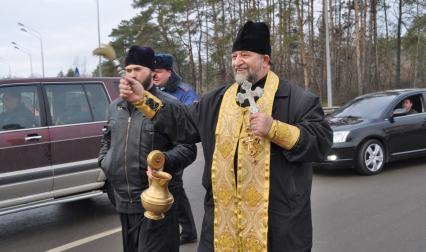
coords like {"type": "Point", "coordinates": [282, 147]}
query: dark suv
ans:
{"type": "Point", "coordinates": [50, 131]}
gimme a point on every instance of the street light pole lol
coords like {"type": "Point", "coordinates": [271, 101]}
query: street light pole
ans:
{"type": "Point", "coordinates": [26, 51]}
{"type": "Point", "coordinates": [99, 39]}
{"type": "Point", "coordinates": [37, 35]}
{"type": "Point", "coordinates": [328, 66]}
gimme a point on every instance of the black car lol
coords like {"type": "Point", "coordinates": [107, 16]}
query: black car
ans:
{"type": "Point", "coordinates": [375, 128]}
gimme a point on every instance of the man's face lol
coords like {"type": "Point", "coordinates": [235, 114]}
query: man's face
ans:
{"type": "Point", "coordinates": [161, 76]}
{"type": "Point", "coordinates": [140, 73]}
{"type": "Point", "coordinates": [248, 65]}
{"type": "Point", "coordinates": [407, 104]}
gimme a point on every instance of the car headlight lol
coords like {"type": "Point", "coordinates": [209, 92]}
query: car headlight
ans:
{"type": "Point", "coordinates": [340, 136]}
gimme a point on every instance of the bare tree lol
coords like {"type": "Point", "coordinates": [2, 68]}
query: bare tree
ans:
{"type": "Point", "coordinates": [398, 45]}
{"type": "Point", "coordinates": [303, 56]}
{"type": "Point", "coordinates": [358, 49]}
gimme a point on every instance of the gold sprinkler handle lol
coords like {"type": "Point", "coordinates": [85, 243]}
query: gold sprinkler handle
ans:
{"type": "Point", "coordinates": [156, 161]}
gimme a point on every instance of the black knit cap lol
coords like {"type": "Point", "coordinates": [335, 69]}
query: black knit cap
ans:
{"type": "Point", "coordinates": [140, 55]}
{"type": "Point", "coordinates": [254, 37]}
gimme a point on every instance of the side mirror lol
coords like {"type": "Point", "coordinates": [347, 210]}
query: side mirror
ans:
{"type": "Point", "coordinates": [397, 112]}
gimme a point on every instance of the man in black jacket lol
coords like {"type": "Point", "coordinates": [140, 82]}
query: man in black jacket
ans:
{"type": "Point", "coordinates": [127, 141]}
{"type": "Point", "coordinates": [170, 82]}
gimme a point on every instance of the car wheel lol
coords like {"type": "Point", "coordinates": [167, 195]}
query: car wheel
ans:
{"type": "Point", "coordinates": [110, 192]}
{"type": "Point", "coordinates": [371, 157]}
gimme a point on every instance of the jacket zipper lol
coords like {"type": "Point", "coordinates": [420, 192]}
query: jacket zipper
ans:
{"type": "Point", "coordinates": [129, 120]}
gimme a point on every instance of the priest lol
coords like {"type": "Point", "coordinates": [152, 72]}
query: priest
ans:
{"type": "Point", "coordinates": [259, 137]}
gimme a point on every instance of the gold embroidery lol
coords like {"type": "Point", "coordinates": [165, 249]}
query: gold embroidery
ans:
{"type": "Point", "coordinates": [283, 134]}
{"type": "Point", "coordinates": [273, 130]}
{"type": "Point", "coordinates": [252, 197]}
{"type": "Point", "coordinates": [227, 242]}
{"type": "Point", "coordinates": [252, 143]}
{"type": "Point", "coordinates": [149, 105]}
{"type": "Point", "coordinates": [236, 217]}
{"type": "Point", "coordinates": [224, 196]}
{"type": "Point", "coordinates": [252, 244]}
{"type": "Point", "coordinates": [225, 148]}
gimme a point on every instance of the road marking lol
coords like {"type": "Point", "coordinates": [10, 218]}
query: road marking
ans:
{"type": "Point", "coordinates": [85, 240]}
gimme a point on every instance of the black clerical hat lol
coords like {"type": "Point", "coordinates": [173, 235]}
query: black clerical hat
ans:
{"type": "Point", "coordinates": [163, 61]}
{"type": "Point", "coordinates": [253, 37]}
{"type": "Point", "coordinates": [140, 55]}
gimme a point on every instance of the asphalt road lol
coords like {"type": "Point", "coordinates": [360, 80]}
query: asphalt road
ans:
{"type": "Point", "coordinates": [350, 213]}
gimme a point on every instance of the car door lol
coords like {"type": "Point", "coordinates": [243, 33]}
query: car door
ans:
{"type": "Point", "coordinates": [26, 174]}
{"type": "Point", "coordinates": [423, 135]}
{"type": "Point", "coordinates": [407, 133]}
{"type": "Point", "coordinates": [77, 115]}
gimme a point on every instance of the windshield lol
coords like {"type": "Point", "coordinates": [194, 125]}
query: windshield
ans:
{"type": "Point", "coordinates": [370, 107]}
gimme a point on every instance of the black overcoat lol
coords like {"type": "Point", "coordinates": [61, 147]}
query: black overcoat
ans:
{"type": "Point", "coordinates": [290, 224]}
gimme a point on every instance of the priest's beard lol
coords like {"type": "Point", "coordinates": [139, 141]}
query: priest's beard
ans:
{"type": "Point", "coordinates": [252, 74]}
{"type": "Point", "coordinates": [146, 83]}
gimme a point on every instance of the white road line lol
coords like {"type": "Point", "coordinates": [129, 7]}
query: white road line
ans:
{"type": "Point", "coordinates": [85, 240]}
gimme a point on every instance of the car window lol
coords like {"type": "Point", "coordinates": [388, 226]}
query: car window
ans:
{"type": "Point", "coordinates": [19, 108]}
{"type": "Point", "coordinates": [417, 104]}
{"type": "Point", "coordinates": [68, 104]}
{"type": "Point", "coordinates": [371, 106]}
{"type": "Point", "coordinates": [98, 101]}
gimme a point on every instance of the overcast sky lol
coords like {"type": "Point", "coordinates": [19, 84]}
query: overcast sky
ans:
{"type": "Point", "coordinates": [69, 33]}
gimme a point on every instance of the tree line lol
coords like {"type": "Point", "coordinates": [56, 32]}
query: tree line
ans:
{"type": "Point", "coordinates": [375, 45]}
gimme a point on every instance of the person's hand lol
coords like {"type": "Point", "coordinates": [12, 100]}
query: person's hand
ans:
{"type": "Point", "coordinates": [131, 89]}
{"type": "Point", "coordinates": [152, 172]}
{"type": "Point", "coordinates": [260, 123]}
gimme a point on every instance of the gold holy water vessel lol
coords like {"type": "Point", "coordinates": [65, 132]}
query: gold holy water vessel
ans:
{"type": "Point", "coordinates": [156, 200]}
